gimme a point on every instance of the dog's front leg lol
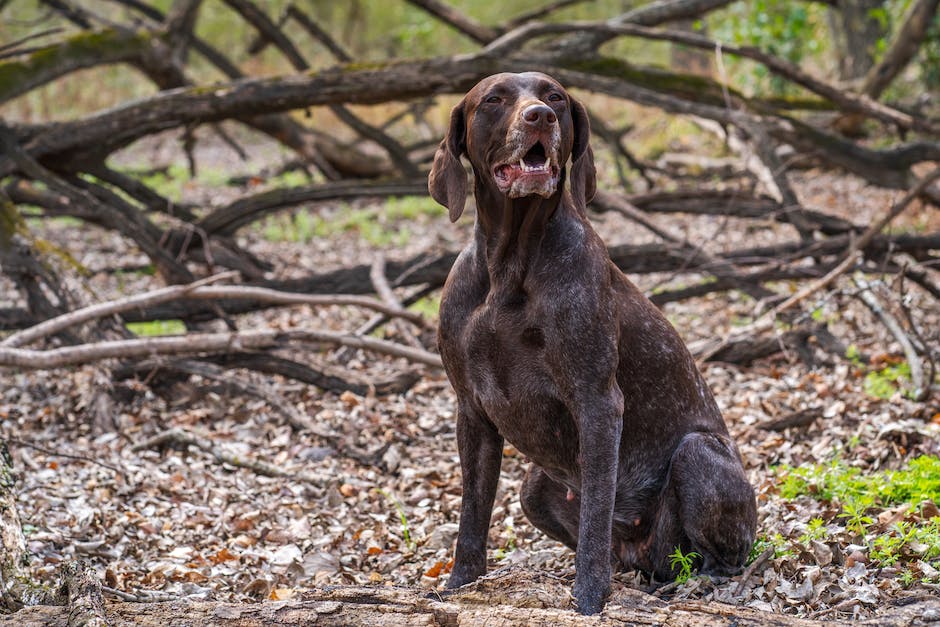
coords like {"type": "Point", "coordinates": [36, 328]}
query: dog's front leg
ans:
{"type": "Point", "coordinates": [481, 452]}
{"type": "Point", "coordinates": [600, 422]}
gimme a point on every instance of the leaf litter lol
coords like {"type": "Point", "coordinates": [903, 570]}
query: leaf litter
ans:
{"type": "Point", "coordinates": [178, 522]}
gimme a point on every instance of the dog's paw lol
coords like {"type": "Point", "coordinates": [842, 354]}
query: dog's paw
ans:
{"type": "Point", "coordinates": [461, 577]}
{"type": "Point", "coordinates": [589, 599]}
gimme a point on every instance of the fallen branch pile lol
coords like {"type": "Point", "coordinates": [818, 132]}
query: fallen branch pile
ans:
{"type": "Point", "coordinates": [62, 169]}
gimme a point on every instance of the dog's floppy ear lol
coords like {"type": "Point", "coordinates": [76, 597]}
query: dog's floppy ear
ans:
{"type": "Point", "coordinates": [583, 173]}
{"type": "Point", "coordinates": [448, 180]}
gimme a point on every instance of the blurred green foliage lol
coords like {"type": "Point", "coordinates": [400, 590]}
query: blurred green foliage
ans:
{"type": "Point", "coordinates": [388, 225]}
{"type": "Point", "coordinates": [800, 32]}
{"type": "Point", "coordinates": [790, 30]}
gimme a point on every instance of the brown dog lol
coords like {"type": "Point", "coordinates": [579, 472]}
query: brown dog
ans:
{"type": "Point", "coordinates": [549, 346]}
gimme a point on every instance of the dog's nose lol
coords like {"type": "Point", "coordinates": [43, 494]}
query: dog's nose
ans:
{"type": "Point", "coordinates": [539, 115]}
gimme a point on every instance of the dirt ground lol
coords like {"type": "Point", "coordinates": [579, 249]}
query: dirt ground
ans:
{"type": "Point", "coordinates": [381, 507]}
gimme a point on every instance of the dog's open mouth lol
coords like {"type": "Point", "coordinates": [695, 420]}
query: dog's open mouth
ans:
{"type": "Point", "coordinates": [533, 173]}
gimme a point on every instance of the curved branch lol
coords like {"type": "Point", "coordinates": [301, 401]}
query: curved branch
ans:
{"type": "Point", "coordinates": [201, 343]}
{"type": "Point", "coordinates": [87, 49]}
{"type": "Point", "coordinates": [454, 18]}
{"type": "Point", "coordinates": [228, 219]}
{"type": "Point", "coordinates": [200, 291]}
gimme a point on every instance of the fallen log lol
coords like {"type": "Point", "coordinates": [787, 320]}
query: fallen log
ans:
{"type": "Point", "coordinates": [500, 599]}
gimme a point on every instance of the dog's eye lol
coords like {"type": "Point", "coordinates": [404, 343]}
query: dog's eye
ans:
{"type": "Point", "coordinates": [493, 99]}
{"type": "Point", "coordinates": [555, 96]}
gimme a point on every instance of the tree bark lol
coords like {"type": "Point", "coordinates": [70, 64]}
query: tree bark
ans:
{"type": "Point", "coordinates": [903, 47]}
{"type": "Point", "coordinates": [855, 30]}
{"type": "Point", "coordinates": [13, 555]}
{"type": "Point", "coordinates": [16, 589]}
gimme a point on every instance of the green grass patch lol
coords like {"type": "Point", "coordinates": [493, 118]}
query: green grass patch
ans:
{"type": "Point", "coordinates": [837, 481]}
{"type": "Point", "coordinates": [387, 225]}
{"type": "Point", "coordinates": [155, 328]}
{"type": "Point", "coordinates": [907, 544]}
{"type": "Point", "coordinates": [168, 183]}
{"type": "Point", "coordinates": [171, 182]}
{"type": "Point", "coordinates": [291, 178]}
{"type": "Point", "coordinates": [428, 306]}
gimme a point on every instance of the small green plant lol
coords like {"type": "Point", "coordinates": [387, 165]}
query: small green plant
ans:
{"type": "Point", "coordinates": [503, 552]}
{"type": "Point", "coordinates": [815, 530]}
{"type": "Point", "coordinates": [403, 519]}
{"type": "Point", "coordinates": [886, 548]}
{"type": "Point", "coordinates": [760, 545]}
{"type": "Point", "coordinates": [885, 382]}
{"type": "Point", "coordinates": [777, 542]}
{"type": "Point", "coordinates": [683, 562]}
{"type": "Point", "coordinates": [853, 355]}
{"type": "Point", "coordinates": [907, 577]}
{"type": "Point", "coordinates": [854, 513]}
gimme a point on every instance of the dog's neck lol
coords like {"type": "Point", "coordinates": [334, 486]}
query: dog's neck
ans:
{"type": "Point", "coordinates": [508, 229]}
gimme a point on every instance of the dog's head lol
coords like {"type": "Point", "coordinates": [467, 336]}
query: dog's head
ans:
{"type": "Point", "coordinates": [518, 131]}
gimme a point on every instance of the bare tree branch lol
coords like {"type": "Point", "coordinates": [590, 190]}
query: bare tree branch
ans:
{"type": "Point", "coordinates": [767, 320]}
{"type": "Point", "coordinates": [200, 290]}
{"type": "Point", "coordinates": [83, 50]}
{"type": "Point", "coordinates": [452, 17]}
{"type": "Point", "coordinates": [318, 33]}
{"type": "Point", "coordinates": [920, 387]}
{"type": "Point", "coordinates": [201, 343]}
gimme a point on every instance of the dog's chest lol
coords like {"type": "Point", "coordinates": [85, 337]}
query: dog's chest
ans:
{"type": "Point", "coordinates": [507, 374]}
{"type": "Point", "coordinates": [504, 344]}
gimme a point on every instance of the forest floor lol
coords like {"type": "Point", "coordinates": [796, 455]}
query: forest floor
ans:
{"type": "Point", "coordinates": [377, 503]}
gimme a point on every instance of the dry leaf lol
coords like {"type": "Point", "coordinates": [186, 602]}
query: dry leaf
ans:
{"type": "Point", "coordinates": [435, 570]}
{"type": "Point", "coordinates": [282, 594]}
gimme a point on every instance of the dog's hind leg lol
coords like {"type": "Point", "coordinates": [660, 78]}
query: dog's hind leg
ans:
{"type": "Point", "coordinates": [550, 506]}
{"type": "Point", "coordinates": [707, 506]}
